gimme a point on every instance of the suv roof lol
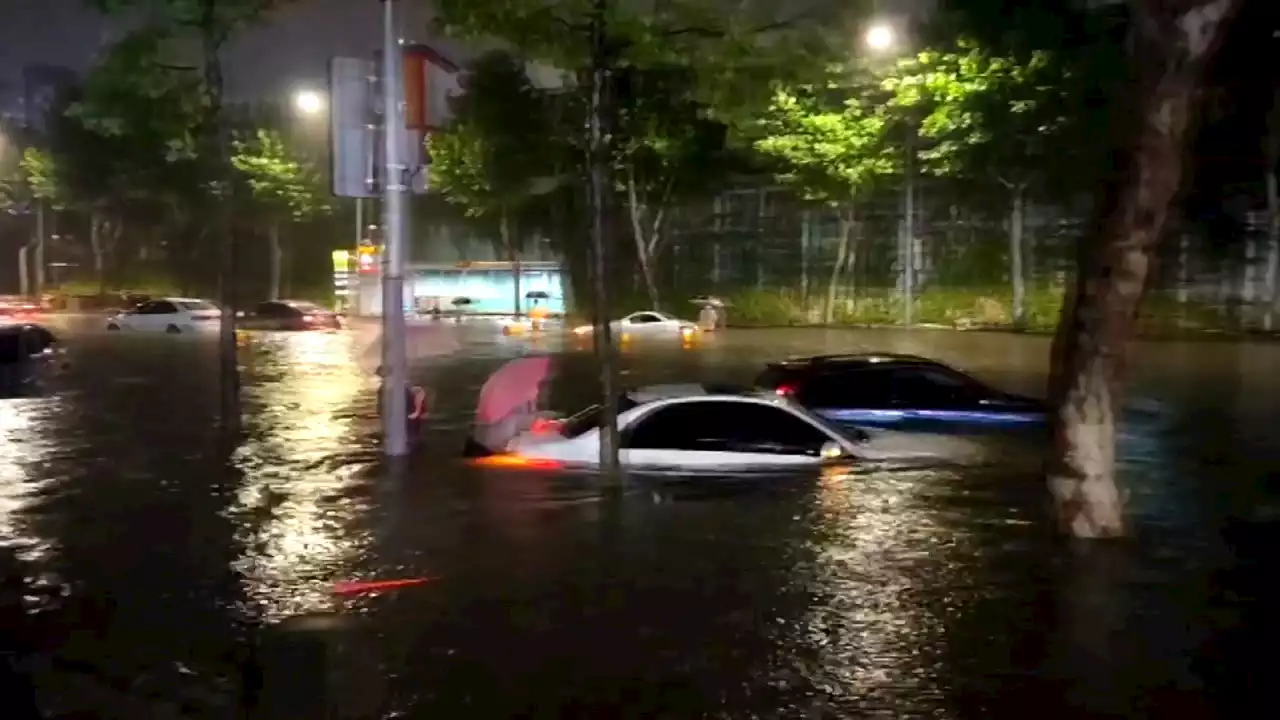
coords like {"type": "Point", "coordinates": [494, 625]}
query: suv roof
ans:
{"type": "Point", "coordinates": [850, 361]}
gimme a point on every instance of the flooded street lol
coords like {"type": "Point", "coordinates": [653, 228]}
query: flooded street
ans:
{"type": "Point", "coordinates": [890, 592]}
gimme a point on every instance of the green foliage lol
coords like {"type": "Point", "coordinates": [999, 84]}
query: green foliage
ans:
{"type": "Point", "coordinates": [126, 136]}
{"type": "Point", "coordinates": [984, 116]}
{"type": "Point", "coordinates": [283, 186]}
{"type": "Point", "coordinates": [824, 140]}
{"type": "Point", "coordinates": [736, 50]}
{"type": "Point", "coordinates": [42, 176]}
{"type": "Point", "coordinates": [502, 142]}
{"type": "Point", "coordinates": [222, 17]}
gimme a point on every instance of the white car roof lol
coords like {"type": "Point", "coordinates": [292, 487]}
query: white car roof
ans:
{"type": "Point", "coordinates": [183, 299]}
{"type": "Point", "coordinates": [650, 393]}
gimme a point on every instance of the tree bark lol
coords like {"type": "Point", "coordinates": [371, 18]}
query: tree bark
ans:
{"type": "Point", "coordinates": [95, 246]}
{"type": "Point", "coordinates": [1271, 156]}
{"type": "Point", "coordinates": [842, 259]}
{"type": "Point", "coordinates": [275, 261]}
{"type": "Point", "coordinates": [1017, 273]}
{"type": "Point", "coordinates": [1172, 42]}
{"type": "Point", "coordinates": [647, 241]}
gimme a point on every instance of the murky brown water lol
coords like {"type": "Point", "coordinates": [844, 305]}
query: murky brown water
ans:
{"type": "Point", "coordinates": [886, 593]}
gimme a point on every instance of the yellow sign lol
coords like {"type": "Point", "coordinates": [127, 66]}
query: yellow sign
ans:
{"type": "Point", "coordinates": [341, 261]}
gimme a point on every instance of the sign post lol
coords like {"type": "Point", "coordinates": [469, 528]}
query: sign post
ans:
{"type": "Point", "coordinates": [395, 369]}
{"type": "Point", "coordinates": [381, 111]}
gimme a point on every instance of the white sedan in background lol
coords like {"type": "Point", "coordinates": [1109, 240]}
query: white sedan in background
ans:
{"type": "Point", "coordinates": [646, 324]}
{"type": "Point", "coordinates": [168, 315]}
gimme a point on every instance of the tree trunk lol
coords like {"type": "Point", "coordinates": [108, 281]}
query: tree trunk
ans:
{"type": "Point", "coordinates": [277, 256]}
{"type": "Point", "coordinates": [513, 255]}
{"type": "Point", "coordinates": [837, 270]}
{"type": "Point", "coordinates": [95, 246]}
{"type": "Point", "coordinates": [643, 241]}
{"type": "Point", "coordinates": [1271, 156]}
{"type": "Point", "coordinates": [215, 140]}
{"type": "Point", "coordinates": [1171, 44]}
{"type": "Point", "coordinates": [1272, 297]}
{"type": "Point", "coordinates": [1017, 274]}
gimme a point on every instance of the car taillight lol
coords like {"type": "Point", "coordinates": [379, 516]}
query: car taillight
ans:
{"type": "Point", "coordinates": [198, 316]}
{"type": "Point", "coordinates": [308, 318]}
{"type": "Point", "coordinates": [545, 426]}
{"type": "Point", "coordinates": [785, 390]}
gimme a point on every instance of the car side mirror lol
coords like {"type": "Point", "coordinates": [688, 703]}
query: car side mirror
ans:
{"type": "Point", "coordinates": [831, 450]}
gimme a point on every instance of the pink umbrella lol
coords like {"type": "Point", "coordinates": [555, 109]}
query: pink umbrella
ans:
{"type": "Point", "coordinates": [513, 387]}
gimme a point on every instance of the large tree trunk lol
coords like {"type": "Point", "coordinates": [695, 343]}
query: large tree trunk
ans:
{"type": "Point", "coordinates": [277, 256]}
{"type": "Point", "coordinates": [1172, 43]}
{"type": "Point", "coordinates": [843, 248]}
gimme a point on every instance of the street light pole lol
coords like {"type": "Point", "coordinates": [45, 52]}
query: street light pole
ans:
{"type": "Point", "coordinates": [394, 363]}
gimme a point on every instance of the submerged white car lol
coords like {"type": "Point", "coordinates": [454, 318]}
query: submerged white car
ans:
{"type": "Point", "coordinates": [708, 429]}
{"type": "Point", "coordinates": [169, 315]}
{"type": "Point", "coordinates": [646, 324]}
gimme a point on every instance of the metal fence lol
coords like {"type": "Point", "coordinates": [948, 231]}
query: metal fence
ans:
{"type": "Point", "coordinates": [776, 256]}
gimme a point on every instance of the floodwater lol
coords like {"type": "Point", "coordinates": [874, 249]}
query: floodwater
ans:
{"type": "Point", "coordinates": [887, 592]}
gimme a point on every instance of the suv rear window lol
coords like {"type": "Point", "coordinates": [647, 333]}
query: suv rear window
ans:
{"type": "Point", "coordinates": [772, 377]}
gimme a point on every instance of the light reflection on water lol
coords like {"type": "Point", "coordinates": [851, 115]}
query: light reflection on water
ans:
{"type": "Point", "coordinates": [298, 514]}
{"type": "Point", "coordinates": [24, 449]}
{"type": "Point", "coordinates": [885, 591]}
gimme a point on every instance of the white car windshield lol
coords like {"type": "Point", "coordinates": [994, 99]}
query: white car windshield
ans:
{"type": "Point", "coordinates": [196, 305]}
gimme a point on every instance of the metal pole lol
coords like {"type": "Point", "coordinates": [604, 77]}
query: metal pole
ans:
{"type": "Point", "coordinates": [600, 246]}
{"type": "Point", "coordinates": [909, 257]}
{"type": "Point", "coordinates": [355, 299]}
{"type": "Point", "coordinates": [394, 363]}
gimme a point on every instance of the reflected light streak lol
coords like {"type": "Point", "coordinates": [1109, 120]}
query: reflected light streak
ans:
{"type": "Point", "coordinates": [23, 450]}
{"type": "Point", "coordinates": [293, 505]}
{"type": "Point", "coordinates": [879, 548]}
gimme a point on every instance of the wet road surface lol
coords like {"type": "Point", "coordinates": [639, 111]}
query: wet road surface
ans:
{"type": "Point", "coordinates": [885, 592]}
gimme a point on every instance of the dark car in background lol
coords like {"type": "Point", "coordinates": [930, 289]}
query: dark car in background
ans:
{"type": "Point", "coordinates": [29, 355]}
{"type": "Point", "coordinates": [289, 315]}
{"type": "Point", "coordinates": [893, 390]}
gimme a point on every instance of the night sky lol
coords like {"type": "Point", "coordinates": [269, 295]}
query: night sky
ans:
{"type": "Point", "coordinates": [289, 50]}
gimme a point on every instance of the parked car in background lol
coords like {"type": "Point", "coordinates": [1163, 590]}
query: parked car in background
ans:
{"type": "Point", "coordinates": [646, 325]}
{"type": "Point", "coordinates": [18, 309]}
{"type": "Point", "coordinates": [168, 315]}
{"type": "Point", "coordinates": [289, 315]}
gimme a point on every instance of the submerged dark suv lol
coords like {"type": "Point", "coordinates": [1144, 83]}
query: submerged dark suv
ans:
{"type": "Point", "coordinates": [889, 389]}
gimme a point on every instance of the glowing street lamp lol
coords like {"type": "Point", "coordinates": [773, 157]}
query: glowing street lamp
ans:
{"type": "Point", "coordinates": [881, 37]}
{"type": "Point", "coordinates": [308, 102]}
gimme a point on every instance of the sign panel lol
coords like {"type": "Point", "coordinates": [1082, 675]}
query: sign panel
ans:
{"type": "Point", "coordinates": [352, 126]}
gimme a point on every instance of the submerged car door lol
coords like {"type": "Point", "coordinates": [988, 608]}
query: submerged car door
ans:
{"type": "Point", "coordinates": [148, 316]}
{"type": "Point", "coordinates": [721, 435]}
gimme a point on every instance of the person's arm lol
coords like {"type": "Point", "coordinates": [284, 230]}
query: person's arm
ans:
{"type": "Point", "coordinates": [419, 402]}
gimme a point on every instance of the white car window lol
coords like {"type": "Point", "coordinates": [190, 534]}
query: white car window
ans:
{"type": "Point", "coordinates": [644, 318]}
{"type": "Point", "coordinates": [726, 426]}
{"type": "Point", "coordinates": [197, 305]}
{"type": "Point", "coordinates": [159, 307]}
